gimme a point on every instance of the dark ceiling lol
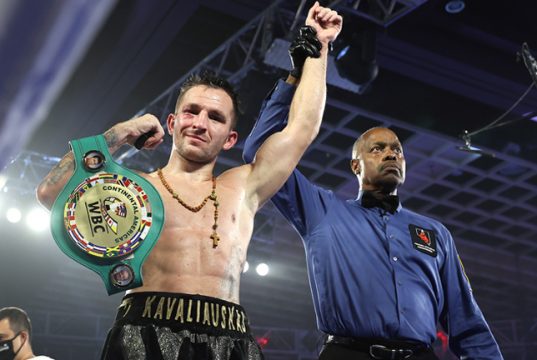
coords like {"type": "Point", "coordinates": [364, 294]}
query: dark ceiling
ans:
{"type": "Point", "coordinates": [439, 74]}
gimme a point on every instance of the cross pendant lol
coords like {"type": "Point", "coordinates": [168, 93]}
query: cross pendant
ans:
{"type": "Point", "coordinates": [215, 238]}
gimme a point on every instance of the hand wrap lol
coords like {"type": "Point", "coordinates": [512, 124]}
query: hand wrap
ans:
{"type": "Point", "coordinates": [303, 46]}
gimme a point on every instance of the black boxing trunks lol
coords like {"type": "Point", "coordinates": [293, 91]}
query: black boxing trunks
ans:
{"type": "Point", "coordinates": [158, 325]}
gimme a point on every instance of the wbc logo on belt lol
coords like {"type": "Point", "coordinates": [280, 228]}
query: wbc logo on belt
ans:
{"type": "Point", "coordinates": [113, 206]}
{"type": "Point", "coordinates": [107, 215]}
{"type": "Point", "coordinates": [101, 212]}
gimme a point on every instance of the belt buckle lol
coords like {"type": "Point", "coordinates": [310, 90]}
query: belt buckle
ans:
{"type": "Point", "coordinates": [394, 354]}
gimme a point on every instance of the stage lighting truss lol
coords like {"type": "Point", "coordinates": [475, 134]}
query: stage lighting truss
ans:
{"type": "Point", "coordinates": [264, 41]}
{"type": "Point", "coordinates": [388, 12]}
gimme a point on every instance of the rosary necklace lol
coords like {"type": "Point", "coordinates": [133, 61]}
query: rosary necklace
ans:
{"type": "Point", "coordinates": [212, 196]}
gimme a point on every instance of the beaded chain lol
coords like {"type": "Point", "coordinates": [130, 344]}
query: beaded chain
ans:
{"type": "Point", "coordinates": [212, 196]}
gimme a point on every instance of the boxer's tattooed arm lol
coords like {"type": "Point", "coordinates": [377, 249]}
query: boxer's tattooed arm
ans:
{"type": "Point", "coordinates": [54, 182]}
{"type": "Point", "coordinates": [62, 171]}
{"type": "Point", "coordinates": [112, 139]}
{"type": "Point", "coordinates": [56, 179]}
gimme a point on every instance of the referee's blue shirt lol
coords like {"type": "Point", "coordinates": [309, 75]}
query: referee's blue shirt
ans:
{"type": "Point", "coordinates": [375, 274]}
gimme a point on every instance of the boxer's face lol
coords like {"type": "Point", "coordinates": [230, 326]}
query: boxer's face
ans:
{"type": "Point", "coordinates": [201, 128]}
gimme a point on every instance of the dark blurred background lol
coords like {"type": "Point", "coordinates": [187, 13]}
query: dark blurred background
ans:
{"type": "Point", "coordinates": [427, 69]}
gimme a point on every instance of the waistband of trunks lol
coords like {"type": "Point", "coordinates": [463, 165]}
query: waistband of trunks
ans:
{"type": "Point", "coordinates": [196, 313]}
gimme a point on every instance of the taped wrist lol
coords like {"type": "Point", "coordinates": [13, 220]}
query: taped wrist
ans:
{"type": "Point", "coordinates": [303, 46]}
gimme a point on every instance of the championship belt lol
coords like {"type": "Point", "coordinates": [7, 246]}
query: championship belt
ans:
{"type": "Point", "coordinates": [106, 218]}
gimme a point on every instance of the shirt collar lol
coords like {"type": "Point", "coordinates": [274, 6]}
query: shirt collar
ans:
{"type": "Point", "coordinates": [359, 201]}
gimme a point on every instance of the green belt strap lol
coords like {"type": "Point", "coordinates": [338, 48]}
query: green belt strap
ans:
{"type": "Point", "coordinates": [107, 217]}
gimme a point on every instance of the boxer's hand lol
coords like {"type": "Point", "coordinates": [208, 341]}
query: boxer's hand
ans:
{"type": "Point", "coordinates": [303, 46]}
{"type": "Point", "coordinates": [131, 130]}
{"type": "Point", "coordinates": [325, 21]}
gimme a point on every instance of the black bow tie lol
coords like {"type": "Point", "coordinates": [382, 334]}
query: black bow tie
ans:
{"type": "Point", "coordinates": [389, 203]}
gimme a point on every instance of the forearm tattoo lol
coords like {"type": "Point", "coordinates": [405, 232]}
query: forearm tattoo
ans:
{"type": "Point", "coordinates": [65, 166]}
{"type": "Point", "coordinates": [111, 138]}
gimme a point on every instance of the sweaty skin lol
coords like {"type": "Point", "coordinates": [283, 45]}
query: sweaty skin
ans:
{"type": "Point", "coordinates": [192, 265]}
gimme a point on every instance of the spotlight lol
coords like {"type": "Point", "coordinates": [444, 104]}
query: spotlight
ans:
{"type": "Point", "coordinates": [246, 267]}
{"type": "Point", "coordinates": [38, 219]}
{"type": "Point", "coordinates": [356, 61]}
{"type": "Point", "coordinates": [454, 6]}
{"type": "Point", "coordinates": [262, 269]}
{"type": "Point", "coordinates": [13, 215]}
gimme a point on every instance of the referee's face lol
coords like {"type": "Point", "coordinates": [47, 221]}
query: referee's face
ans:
{"type": "Point", "coordinates": [381, 164]}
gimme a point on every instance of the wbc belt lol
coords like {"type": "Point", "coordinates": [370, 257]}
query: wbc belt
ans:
{"type": "Point", "coordinates": [107, 218]}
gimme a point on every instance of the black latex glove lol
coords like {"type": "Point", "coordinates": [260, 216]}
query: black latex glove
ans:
{"type": "Point", "coordinates": [303, 46]}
